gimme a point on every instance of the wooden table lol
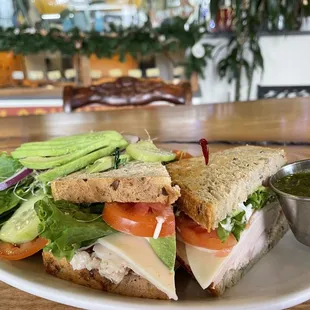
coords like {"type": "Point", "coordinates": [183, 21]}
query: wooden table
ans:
{"type": "Point", "coordinates": [275, 122]}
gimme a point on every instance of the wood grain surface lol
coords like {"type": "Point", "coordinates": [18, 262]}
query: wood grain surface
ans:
{"type": "Point", "coordinates": [286, 120]}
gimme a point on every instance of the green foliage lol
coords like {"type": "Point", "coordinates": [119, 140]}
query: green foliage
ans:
{"type": "Point", "coordinates": [250, 18]}
{"type": "Point", "coordinates": [249, 21]}
{"type": "Point", "coordinates": [197, 65]}
{"type": "Point", "coordinates": [139, 42]}
{"type": "Point", "coordinates": [22, 41]}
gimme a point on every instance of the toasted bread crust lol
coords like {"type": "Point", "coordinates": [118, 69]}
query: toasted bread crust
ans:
{"type": "Point", "coordinates": [210, 192]}
{"type": "Point", "coordinates": [132, 285]}
{"type": "Point", "coordinates": [134, 182]}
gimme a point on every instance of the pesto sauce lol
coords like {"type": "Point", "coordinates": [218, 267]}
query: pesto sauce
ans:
{"type": "Point", "coordinates": [297, 184]}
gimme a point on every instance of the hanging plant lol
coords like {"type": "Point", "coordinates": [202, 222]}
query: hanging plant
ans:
{"type": "Point", "coordinates": [177, 38]}
{"type": "Point", "coordinates": [249, 20]}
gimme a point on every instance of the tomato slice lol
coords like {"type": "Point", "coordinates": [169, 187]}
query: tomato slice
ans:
{"type": "Point", "coordinates": [139, 219]}
{"type": "Point", "coordinates": [16, 252]}
{"type": "Point", "coordinates": [181, 155]}
{"type": "Point", "coordinates": [192, 233]}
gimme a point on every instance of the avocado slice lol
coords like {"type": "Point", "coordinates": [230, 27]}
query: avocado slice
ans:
{"type": "Point", "coordinates": [57, 151]}
{"type": "Point", "coordinates": [148, 152]}
{"type": "Point", "coordinates": [107, 163]}
{"type": "Point", "coordinates": [69, 140]}
{"type": "Point", "coordinates": [111, 133]}
{"type": "Point", "coordinates": [165, 249]}
{"type": "Point", "coordinates": [51, 151]}
{"type": "Point", "coordinates": [79, 163]}
{"type": "Point", "coordinates": [38, 162]}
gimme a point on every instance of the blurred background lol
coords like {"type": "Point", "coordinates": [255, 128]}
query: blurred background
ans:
{"type": "Point", "coordinates": [227, 50]}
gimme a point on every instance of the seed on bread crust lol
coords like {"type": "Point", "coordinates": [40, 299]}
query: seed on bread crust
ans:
{"type": "Point", "coordinates": [164, 191]}
{"type": "Point", "coordinates": [115, 184]}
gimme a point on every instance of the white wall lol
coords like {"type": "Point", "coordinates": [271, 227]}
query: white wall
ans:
{"type": "Point", "coordinates": [6, 13]}
{"type": "Point", "coordinates": [286, 61]}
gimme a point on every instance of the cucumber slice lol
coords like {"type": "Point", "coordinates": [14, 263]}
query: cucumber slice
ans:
{"type": "Point", "coordinates": [107, 163]}
{"type": "Point", "coordinates": [23, 225]}
{"type": "Point", "coordinates": [147, 151]}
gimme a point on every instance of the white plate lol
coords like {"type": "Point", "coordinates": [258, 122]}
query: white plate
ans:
{"type": "Point", "coordinates": [281, 279]}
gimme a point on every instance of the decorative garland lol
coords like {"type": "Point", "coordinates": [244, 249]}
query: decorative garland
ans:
{"type": "Point", "coordinates": [170, 37]}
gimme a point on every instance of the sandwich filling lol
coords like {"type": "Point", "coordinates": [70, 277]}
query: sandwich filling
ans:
{"type": "Point", "coordinates": [113, 248]}
{"type": "Point", "coordinates": [210, 254]}
{"type": "Point", "coordinates": [236, 223]}
{"type": "Point", "coordinates": [109, 265]}
{"type": "Point", "coordinates": [118, 254]}
{"type": "Point", "coordinates": [209, 268]}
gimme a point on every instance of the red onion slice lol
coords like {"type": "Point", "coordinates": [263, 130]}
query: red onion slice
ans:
{"type": "Point", "coordinates": [131, 138]}
{"type": "Point", "coordinates": [18, 176]}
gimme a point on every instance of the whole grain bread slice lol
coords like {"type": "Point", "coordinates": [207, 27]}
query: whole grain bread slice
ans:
{"type": "Point", "coordinates": [132, 285]}
{"type": "Point", "coordinates": [211, 192]}
{"type": "Point", "coordinates": [134, 182]}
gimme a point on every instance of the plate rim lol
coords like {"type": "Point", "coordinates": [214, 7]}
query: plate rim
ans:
{"type": "Point", "coordinates": [113, 301]}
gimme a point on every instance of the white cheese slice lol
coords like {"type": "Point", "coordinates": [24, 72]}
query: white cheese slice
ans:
{"type": "Point", "coordinates": [204, 265]}
{"type": "Point", "coordinates": [142, 260]}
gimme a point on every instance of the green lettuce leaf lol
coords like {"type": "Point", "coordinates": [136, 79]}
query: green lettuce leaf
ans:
{"type": "Point", "coordinates": [223, 233]}
{"type": "Point", "coordinates": [10, 198]}
{"type": "Point", "coordinates": [234, 225]}
{"type": "Point", "coordinates": [260, 197]}
{"type": "Point", "coordinates": [237, 223]}
{"type": "Point", "coordinates": [67, 227]}
{"type": "Point", "coordinates": [165, 249]}
{"type": "Point", "coordinates": [8, 166]}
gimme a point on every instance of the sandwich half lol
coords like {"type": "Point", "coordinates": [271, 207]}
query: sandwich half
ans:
{"type": "Point", "coordinates": [109, 251]}
{"type": "Point", "coordinates": [99, 207]}
{"type": "Point", "coordinates": [227, 217]}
